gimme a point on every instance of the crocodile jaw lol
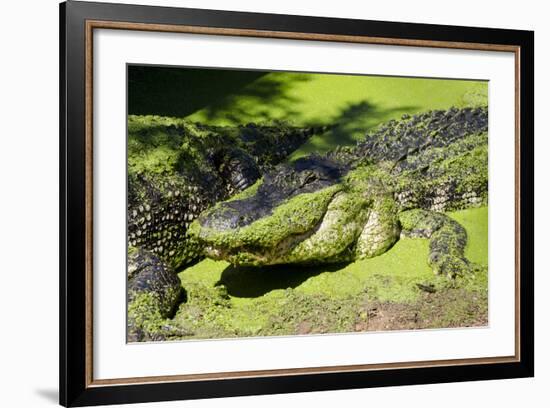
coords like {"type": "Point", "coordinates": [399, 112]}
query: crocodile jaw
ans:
{"type": "Point", "coordinates": [327, 240]}
{"type": "Point", "coordinates": [350, 226]}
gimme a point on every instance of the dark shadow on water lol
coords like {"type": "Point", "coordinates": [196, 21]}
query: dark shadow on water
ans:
{"type": "Point", "coordinates": [172, 91]}
{"type": "Point", "coordinates": [268, 98]}
{"type": "Point", "coordinates": [251, 282]}
{"type": "Point", "coordinates": [234, 96]}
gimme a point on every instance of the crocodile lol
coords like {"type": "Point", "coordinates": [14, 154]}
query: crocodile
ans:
{"type": "Point", "coordinates": [177, 169]}
{"type": "Point", "coordinates": [356, 202]}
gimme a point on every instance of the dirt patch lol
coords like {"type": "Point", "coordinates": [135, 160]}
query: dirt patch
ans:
{"type": "Point", "coordinates": [450, 308]}
{"type": "Point", "coordinates": [389, 316]}
{"type": "Point", "coordinates": [304, 328]}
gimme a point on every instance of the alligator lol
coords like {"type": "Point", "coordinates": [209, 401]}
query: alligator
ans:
{"type": "Point", "coordinates": [177, 169]}
{"type": "Point", "coordinates": [356, 202]}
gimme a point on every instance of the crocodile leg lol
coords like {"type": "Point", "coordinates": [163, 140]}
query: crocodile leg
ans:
{"type": "Point", "coordinates": [447, 240]}
{"type": "Point", "coordinates": [154, 290]}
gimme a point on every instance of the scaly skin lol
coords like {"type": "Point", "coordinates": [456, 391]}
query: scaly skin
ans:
{"type": "Point", "coordinates": [176, 169]}
{"type": "Point", "coordinates": [153, 291]}
{"type": "Point", "coordinates": [355, 202]}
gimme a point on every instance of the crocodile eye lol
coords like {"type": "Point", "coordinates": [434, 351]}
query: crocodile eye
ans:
{"type": "Point", "coordinates": [310, 178]}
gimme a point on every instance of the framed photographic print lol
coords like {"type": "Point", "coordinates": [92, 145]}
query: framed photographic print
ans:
{"type": "Point", "coordinates": [256, 203]}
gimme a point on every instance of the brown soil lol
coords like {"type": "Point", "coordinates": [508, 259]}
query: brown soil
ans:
{"type": "Point", "coordinates": [451, 308]}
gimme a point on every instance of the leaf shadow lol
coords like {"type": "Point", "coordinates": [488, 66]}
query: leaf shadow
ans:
{"type": "Point", "coordinates": [230, 96]}
{"type": "Point", "coordinates": [350, 126]}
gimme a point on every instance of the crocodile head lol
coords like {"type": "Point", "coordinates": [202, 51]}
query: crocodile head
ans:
{"type": "Point", "coordinates": [343, 205]}
{"type": "Point", "coordinates": [311, 211]}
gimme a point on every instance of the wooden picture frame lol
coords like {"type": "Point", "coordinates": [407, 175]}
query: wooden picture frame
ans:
{"type": "Point", "coordinates": [78, 20]}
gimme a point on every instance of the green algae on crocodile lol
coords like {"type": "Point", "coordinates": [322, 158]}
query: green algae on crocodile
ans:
{"type": "Point", "coordinates": [350, 203]}
{"type": "Point", "coordinates": [153, 291]}
{"type": "Point", "coordinates": [177, 169]}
